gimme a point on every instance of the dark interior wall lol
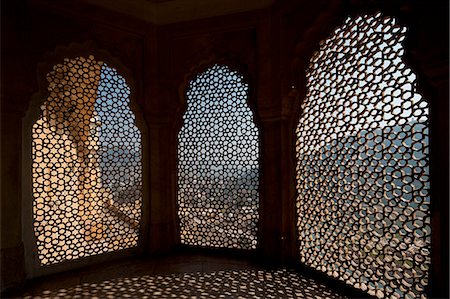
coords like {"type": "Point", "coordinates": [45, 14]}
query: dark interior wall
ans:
{"type": "Point", "coordinates": [159, 60]}
{"type": "Point", "coordinates": [429, 57]}
{"type": "Point", "coordinates": [183, 50]}
{"type": "Point", "coordinates": [32, 36]}
{"type": "Point", "coordinates": [17, 85]}
{"type": "Point", "coordinates": [271, 47]}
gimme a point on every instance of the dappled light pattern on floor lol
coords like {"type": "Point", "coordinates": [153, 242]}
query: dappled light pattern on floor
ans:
{"type": "Point", "coordinates": [220, 284]}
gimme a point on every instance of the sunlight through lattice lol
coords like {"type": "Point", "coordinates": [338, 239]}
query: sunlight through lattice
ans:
{"type": "Point", "coordinates": [87, 173]}
{"type": "Point", "coordinates": [362, 172]}
{"type": "Point", "coordinates": [218, 163]}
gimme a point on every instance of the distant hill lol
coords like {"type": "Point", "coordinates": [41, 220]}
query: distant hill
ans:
{"type": "Point", "coordinates": [121, 171]}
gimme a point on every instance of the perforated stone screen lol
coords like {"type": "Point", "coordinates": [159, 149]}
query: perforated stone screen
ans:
{"type": "Point", "coordinates": [218, 163]}
{"type": "Point", "coordinates": [87, 170]}
{"type": "Point", "coordinates": [362, 171]}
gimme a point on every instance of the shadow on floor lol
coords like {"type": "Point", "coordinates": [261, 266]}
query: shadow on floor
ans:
{"type": "Point", "coordinates": [189, 276]}
{"type": "Point", "coordinates": [220, 284]}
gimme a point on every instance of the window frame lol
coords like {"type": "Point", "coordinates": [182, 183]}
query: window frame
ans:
{"type": "Point", "coordinates": [199, 68]}
{"type": "Point", "coordinates": [430, 83]}
{"type": "Point", "coordinates": [33, 267]}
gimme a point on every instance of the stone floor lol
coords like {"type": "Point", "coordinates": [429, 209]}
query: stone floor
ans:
{"type": "Point", "coordinates": [178, 276]}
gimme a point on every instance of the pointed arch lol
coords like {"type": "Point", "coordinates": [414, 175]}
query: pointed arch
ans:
{"type": "Point", "coordinates": [218, 162]}
{"type": "Point", "coordinates": [84, 135]}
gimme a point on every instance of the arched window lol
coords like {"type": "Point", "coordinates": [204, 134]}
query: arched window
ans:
{"type": "Point", "coordinates": [218, 169]}
{"type": "Point", "coordinates": [362, 171]}
{"type": "Point", "coordinates": [86, 164]}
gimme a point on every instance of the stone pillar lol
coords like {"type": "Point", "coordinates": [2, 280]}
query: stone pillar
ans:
{"type": "Point", "coordinates": [69, 113]}
{"type": "Point", "coordinates": [278, 201]}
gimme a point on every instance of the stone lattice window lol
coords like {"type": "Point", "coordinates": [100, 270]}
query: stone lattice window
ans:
{"type": "Point", "coordinates": [363, 163]}
{"type": "Point", "coordinates": [218, 169]}
{"type": "Point", "coordinates": [87, 170]}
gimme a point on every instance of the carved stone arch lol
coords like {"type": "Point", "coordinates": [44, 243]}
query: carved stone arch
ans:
{"type": "Point", "coordinates": [309, 41]}
{"type": "Point", "coordinates": [205, 64]}
{"type": "Point", "coordinates": [249, 234]}
{"type": "Point", "coordinates": [431, 81]}
{"type": "Point", "coordinates": [304, 52]}
{"type": "Point", "coordinates": [88, 50]}
{"type": "Point", "coordinates": [331, 18]}
{"type": "Point", "coordinates": [50, 59]}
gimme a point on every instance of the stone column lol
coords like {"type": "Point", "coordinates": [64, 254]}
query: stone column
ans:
{"type": "Point", "coordinates": [69, 112]}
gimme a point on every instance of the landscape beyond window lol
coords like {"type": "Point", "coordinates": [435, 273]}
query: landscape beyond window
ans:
{"type": "Point", "coordinates": [362, 163]}
{"type": "Point", "coordinates": [218, 172]}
